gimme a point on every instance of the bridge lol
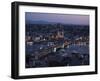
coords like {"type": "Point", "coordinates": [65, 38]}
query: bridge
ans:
{"type": "Point", "coordinates": [53, 48]}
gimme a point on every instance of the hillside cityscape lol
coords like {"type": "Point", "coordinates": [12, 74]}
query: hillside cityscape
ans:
{"type": "Point", "coordinates": [55, 44]}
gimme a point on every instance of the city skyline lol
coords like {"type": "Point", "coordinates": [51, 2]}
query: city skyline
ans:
{"type": "Point", "coordinates": [31, 17]}
{"type": "Point", "coordinates": [51, 40]}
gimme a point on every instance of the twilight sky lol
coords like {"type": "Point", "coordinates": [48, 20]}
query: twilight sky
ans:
{"type": "Point", "coordinates": [59, 18]}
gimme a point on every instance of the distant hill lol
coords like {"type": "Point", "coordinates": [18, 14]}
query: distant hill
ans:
{"type": "Point", "coordinates": [39, 22]}
{"type": "Point", "coordinates": [46, 22]}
